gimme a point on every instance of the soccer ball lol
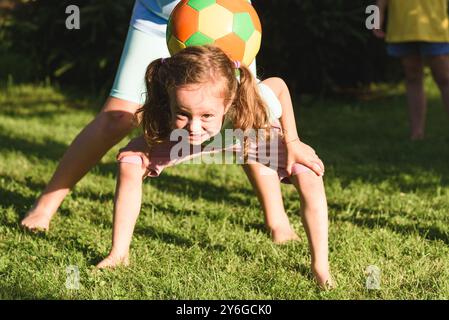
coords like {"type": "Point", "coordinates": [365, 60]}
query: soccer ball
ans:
{"type": "Point", "coordinates": [232, 25]}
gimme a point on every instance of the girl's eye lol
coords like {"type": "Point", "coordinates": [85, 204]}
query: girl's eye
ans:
{"type": "Point", "coordinates": [207, 116]}
{"type": "Point", "coordinates": [181, 115]}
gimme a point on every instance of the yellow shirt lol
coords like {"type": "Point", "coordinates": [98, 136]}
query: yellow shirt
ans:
{"type": "Point", "coordinates": [417, 20]}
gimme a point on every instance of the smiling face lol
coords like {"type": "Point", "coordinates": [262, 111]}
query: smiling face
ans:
{"type": "Point", "coordinates": [199, 109]}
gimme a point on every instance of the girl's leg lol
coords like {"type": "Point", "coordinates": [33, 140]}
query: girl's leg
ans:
{"type": "Point", "coordinates": [417, 106]}
{"type": "Point", "coordinates": [315, 220]}
{"type": "Point", "coordinates": [110, 126]}
{"type": "Point", "coordinates": [440, 71]}
{"type": "Point", "coordinates": [127, 202]}
{"type": "Point", "coordinates": [268, 191]}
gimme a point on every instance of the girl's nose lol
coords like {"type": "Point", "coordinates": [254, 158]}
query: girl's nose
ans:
{"type": "Point", "coordinates": [195, 126]}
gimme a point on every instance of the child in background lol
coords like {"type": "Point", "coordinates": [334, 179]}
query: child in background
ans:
{"type": "Point", "coordinates": [197, 91]}
{"type": "Point", "coordinates": [418, 32]}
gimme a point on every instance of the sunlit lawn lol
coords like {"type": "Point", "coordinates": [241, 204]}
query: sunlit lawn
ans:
{"type": "Point", "coordinates": [201, 232]}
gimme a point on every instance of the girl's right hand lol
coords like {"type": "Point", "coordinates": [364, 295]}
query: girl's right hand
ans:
{"type": "Point", "coordinates": [299, 152]}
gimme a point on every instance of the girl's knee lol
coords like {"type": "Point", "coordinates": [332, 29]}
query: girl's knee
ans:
{"type": "Point", "coordinates": [312, 193]}
{"type": "Point", "coordinates": [309, 183]}
{"type": "Point", "coordinates": [117, 118]}
{"type": "Point", "coordinates": [116, 124]}
{"type": "Point", "coordinates": [131, 171]}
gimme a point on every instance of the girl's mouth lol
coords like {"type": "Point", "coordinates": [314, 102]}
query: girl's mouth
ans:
{"type": "Point", "coordinates": [197, 137]}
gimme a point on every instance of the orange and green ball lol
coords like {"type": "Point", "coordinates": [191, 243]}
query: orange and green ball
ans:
{"type": "Point", "coordinates": [232, 25]}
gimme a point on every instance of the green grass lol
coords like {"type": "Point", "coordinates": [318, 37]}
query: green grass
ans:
{"type": "Point", "coordinates": [201, 233]}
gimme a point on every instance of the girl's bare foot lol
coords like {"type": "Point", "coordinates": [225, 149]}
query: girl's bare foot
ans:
{"type": "Point", "coordinates": [283, 235]}
{"type": "Point", "coordinates": [324, 279]}
{"type": "Point", "coordinates": [113, 261]}
{"type": "Point", "coordinates": [36, 220]}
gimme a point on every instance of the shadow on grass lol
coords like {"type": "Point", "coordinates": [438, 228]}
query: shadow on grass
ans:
{"type": "Point", "coordinates": [179, 185]}
{"type": "Point", "coordinates": [172, 238]}
{"type": "Point", "coordinates": [14, 199]}
{"type": "Point", "coordinates": [48, 149]}
{"type": "Point", "coordinates": [20, 100]}
{"type": "Point", "coordinates": [374, 219]}
{"type": "Point", "coordinates": [34, 110]}
{"type": "Point", "coordinates": [19, 291]}
{"type": "Point", "coordinates": [20, 202]}
{"type": "Point", "coordinates": [196, 189]}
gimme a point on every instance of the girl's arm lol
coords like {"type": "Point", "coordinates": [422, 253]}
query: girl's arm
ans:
{"type": "Point", "coordinates": [297, 151]}
{"type": "Point", "coordinates": [127, 202]}
{"type": "Point", "coordinates": [287, 119]}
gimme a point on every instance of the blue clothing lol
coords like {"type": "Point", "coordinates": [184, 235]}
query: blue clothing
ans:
{"type": "Point", "coordinates": [161, 8]}
{"type": "Point", "coordinates": [421, 48]}
{"type": "Point", "coordinates": [151, 16]}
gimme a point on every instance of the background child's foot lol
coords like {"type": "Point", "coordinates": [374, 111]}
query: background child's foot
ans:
{"type": "Point", "coordinates": [112, 261]}
{"type": "Point", "coordinates": [283, 235]}
{"type": "Point", "coordinates": [36, 221]}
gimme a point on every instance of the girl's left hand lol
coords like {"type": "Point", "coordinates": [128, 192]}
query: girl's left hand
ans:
{"type": "Point", "coordinates": [299, 152]}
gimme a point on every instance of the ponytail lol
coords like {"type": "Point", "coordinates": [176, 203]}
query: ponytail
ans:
{"type": "Point", "coordinates": [249, 109]}
{"type": "Point", "coordinates": [155, 112]}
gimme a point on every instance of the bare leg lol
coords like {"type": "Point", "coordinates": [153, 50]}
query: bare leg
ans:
{"type": "Point", "coordinates": [440, 71]}
{"type": "Point", "coordinates": [110, 126]}
{"type": "Point", "coordinates": [315, 220]}
{"type": "Point", "coordinates": [417, 105]}
{"type": "Point", "coordinates": [268, 191]}
{"type": "Point", "coordinates": [127, 202]}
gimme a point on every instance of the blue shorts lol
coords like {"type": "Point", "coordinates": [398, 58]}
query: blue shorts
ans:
{"type": "Point", "coordinates": [417, 48]}
{"type": "Point", "coordinates": [139, 51]}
